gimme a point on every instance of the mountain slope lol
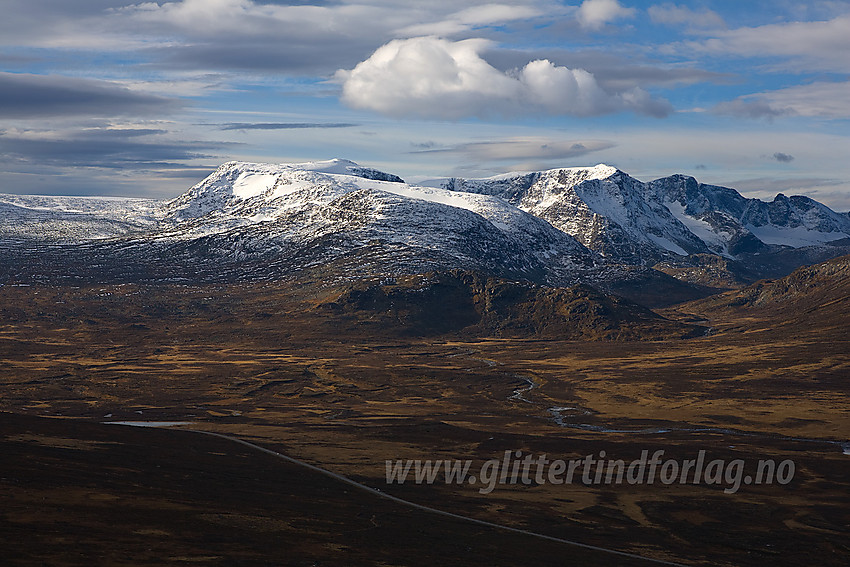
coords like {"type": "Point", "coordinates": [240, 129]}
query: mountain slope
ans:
{"type": "Point", "coordinates": [310, 217]}
{"type": "Point", "coordinates": [674, 223]}
{"type": "Point", "coordinates": [821, 290]}
{"type": "Point", "coordinates": [73, 219]}
{"type": "Point", "coordinates": [333, 219]}
{"type": "Point", "coordinates": [336, 220]}
{"type": "Point", "coordinates": [601, 206]}
{"type": "Point", "coordinates": [731, 224]}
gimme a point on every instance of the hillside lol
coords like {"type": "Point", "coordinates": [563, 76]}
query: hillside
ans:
{"type": "Point", "coordinates": [816, 296]}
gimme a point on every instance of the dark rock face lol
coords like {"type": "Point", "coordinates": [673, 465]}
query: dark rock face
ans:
{"type": "Point", "coordinates": [368, 173]}
{"type": "Point", "coordinates": [477, 305]}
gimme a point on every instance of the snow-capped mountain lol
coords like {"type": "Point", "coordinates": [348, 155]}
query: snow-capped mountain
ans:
{"type": "Point", "coordinates": [630, 221]}
{"type": "Point", "coordinates": [278, 220]}
{"type": "Point", "coordinates": [324, 211]}
{"type": "Point", "coordinates": [602, 207]}
{"type": "Point", "coordinates": [337, 219]}
{"type": "Point", "coordinates": [731, 224]}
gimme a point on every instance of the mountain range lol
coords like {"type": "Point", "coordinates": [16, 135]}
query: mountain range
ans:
{"type": "Point", "coordinates": [665, 240]}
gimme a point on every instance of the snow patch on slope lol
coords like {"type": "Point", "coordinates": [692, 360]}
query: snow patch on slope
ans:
{"type": "Point", "coordinates": [249, 185]}
{"type": "Point", "coordinates": [718, 241]}
{"type": "Point", "coordinates": [796, 237]}
{"type": "Point", "coordinates": [667, 244]}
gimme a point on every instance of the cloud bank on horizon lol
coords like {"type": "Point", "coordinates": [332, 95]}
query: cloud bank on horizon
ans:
{"type": "Point", "coordinates": [142, 98]}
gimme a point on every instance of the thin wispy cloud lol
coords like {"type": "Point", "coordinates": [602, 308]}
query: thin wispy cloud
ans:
{"type": "Point", "coordinates": [803, 46]}
{"type": "Point", "coordinates": [471, 18]}
{"type": "Point", "coordinates": [38, 96]}
{"type": "Point", "coordinates": [751, 106]}
{"type": "Point", "coordinates": [302, 38]}
{"type": "Point", "coordinates": [284, 125]}
{"type": "Point", "coordinates": [677, 15]}
{"type": "Point", "coordinates": [817, 100]}
{"type": "Point", "coordinates": [112, 148]}
{"type": "Point", "coordinates": [522, 149]}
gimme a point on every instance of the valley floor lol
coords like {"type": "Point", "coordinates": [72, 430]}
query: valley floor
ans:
{"type": "Point", "coordinates": [246, 361]}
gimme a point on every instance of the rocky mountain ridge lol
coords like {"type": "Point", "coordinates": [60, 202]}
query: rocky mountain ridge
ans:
{"type": "Point", "coordinates": [669, 218]}
{"type": "Point", "coordinates": [336, 220]}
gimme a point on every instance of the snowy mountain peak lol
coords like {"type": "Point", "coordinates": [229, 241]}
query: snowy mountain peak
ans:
{"type": "Point", "coordinates": [731, 224]}
{"type": "Point", "coordinates": [340, 166]}
{"type": "Point", "coordinates": [250, 185]}
{"type": "Point", "coordinates": [598, 171]}
{"type": "Point", "coordinates": [644, 223]}
{"type": "Point", "coordinates": [602, 207]}
{"type": "Point", "coordinates": [549, 226]}
{"type": "Point", "coordinates": [336, 166]}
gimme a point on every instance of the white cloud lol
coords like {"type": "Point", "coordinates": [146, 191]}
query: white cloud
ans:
{"type": "Point", "coordinates": [489, 14]}
{"type": "Point", "coordinates": [303, 38]}
{"type": "Point", "coordinates": [820, 99]}
{"type": "Point", "coordinates": [823, 99]}
{"type": "Point", "coordinates": [367, 19]}
{"type": "Point", "coordinates": [212, 18]}
{"type": "Point", "coordinates": [428, 77]}
{"type": "Point", "coordinates": [822, 45]}
{"type": "Point", "coordinates": [300, 38]}
{"type": "Point", "coordinates": [673, 15]}
{"type": "Point", "coordinates": [470, 18]}
{"type": "Point", "coordinates": [594, 14]}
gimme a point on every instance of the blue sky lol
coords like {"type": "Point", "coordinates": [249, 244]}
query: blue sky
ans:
{"type": "Point", "coordinates": [144, 98]}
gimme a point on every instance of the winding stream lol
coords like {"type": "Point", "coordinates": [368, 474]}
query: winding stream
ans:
{"type": "Point", "coordinates": [564, 416]}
